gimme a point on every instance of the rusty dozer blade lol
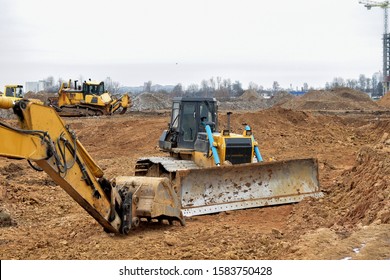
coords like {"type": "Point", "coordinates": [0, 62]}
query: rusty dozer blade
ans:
{"type": "Point", "coordinates": [152, 197]}
{"type": "Point", "coordinates": [223, 188]}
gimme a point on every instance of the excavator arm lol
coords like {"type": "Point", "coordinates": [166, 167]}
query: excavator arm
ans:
{"type": "Point", "coordinates": [45, 139]}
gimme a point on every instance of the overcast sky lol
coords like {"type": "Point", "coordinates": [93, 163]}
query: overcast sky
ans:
{"type": "Point", "coordinates": [185, 41]}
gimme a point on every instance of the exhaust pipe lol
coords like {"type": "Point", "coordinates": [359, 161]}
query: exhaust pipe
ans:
{"type": "Point", "coordinates": [228, 121]}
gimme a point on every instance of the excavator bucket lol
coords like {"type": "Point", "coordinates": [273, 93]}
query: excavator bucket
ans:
{"type": "Point", "coordinates": [223, 188]}
{"type": "Point", "coordinates": [152, 197]}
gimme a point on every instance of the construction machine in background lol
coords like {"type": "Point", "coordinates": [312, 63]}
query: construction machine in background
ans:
{"type": "Point", "coordinates": [16, 93]}
{"type": "Point", "coordinates": [88, 99]}
{"type": "Point", "coordinates": [206, 172]}
{"type": "Point", "coordinates": [13, 92]}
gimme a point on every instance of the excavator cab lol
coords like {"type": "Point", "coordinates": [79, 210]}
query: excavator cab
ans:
{"type": "Point", "coordinates": [187, 121]}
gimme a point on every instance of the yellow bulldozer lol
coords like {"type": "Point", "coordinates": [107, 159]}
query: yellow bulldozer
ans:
{"type": "Point", "coordinates": [207, 170]}
{"type": "Point", "coordinates": [16, 93]}
{"type": "Point", "coordinates": [13, 92]}
{"type": "Point", "coordinates": [216, 170]}
{"type": "Point", "coordinates": [88, 99]}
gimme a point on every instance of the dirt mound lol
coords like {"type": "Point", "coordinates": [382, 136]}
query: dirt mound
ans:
{"type": "Point", "coordinates": [280, 98]}
{"type": "Point", "coordinates": [385, 100]}
{"type": "Point", "coordinates": [250, 95]}
{"type": "Point", "coordinates": [42, 95]}
{"type": "Point", "coordinates": [251, 100]}
{"type": "Point", "coordinates": [151, 102]}
{"type": "Point", "coordinates": [360, 197]}
{"type": "Point", "coordinates": [368, 183]}
{"type": "Point", "coordinates": [336, 99]}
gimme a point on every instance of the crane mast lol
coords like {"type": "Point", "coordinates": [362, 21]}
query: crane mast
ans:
{"type": "Point", "coordinates": [386, 39]}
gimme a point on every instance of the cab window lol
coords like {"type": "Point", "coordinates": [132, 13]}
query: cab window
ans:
{"type": "Point", "coordinates": [189, 122]}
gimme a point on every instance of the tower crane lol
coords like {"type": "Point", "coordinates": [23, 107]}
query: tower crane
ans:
{"type": "Point", "coordinates": [386, 39]}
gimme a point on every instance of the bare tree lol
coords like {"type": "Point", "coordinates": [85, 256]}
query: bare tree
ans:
{"type": "Point", "coordinates": [368, 84]}
{"type": "Point", "coordinates": [204, 87]}
{"type": "Point", "coordinates": [227, 83]}
{"type": "Point", "coordinates": [219, 80]}
{"type": "Point", "coordinates": [338, 82]}
{"type": "Point", "coordinates": [192, 89]}
{"type": "Point", "coordinates": [237, 88]}
{"type": "Point", "coordinates": [275, 86]}
{"type": "Point", "coordinates": [178, 90]}
{"type": "Point", "coordinates": [362, 82]}
{"type": "Point", "coordinates": [352, 83]}
{"type": "Point", "coordinates": [253, 86]}
{"type": "Point", "coordinates": [212, 84]}
{"type": "Point", "coordinates": [115, 87]}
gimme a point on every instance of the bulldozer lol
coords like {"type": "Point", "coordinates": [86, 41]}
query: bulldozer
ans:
{"type": "Point", "coordinates": [206, 171]}
{"type": "Point", "coordinates": [88, 99]}
{"type": "Point", "coordinates": [14, 92]}
{"type": "Point", "coordinates": [214, 171]}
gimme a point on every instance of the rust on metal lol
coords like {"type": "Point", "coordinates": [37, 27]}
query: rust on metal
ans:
{"type": "Point", "coordinates": [216, 189]}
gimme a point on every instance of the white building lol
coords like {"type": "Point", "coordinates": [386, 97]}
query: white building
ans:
{"type": "Point", "coordinates": [35, 86]}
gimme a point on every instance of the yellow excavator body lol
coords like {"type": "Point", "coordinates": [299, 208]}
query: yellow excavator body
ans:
{"type": "Point", "coordinates": [118, 204]}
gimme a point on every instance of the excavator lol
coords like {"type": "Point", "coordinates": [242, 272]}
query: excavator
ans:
{"type": "Point", "coordinates": [90, 99]}
{"type": "Point", "coordinates": [206, 171]}
{"type": "Point", "coordinates": [50, 145]}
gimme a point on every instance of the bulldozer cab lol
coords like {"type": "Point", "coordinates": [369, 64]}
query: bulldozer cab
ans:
{"type": "Point", "coordinates": [14, 91]}
{"type": "Point", "coordinates": [186, 120]}
{"type": "Point", "coordinates": [93, 88]}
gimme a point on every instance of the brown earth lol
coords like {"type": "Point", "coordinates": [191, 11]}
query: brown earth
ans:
{"type": "Point", "coordinates": [251, 100]}
{"type": "Point", "coordinates": [335, 99]}
{"type": "Point", "coordinates": [352, 221]}
{"type": "Point", "coordinates": [385, 100]}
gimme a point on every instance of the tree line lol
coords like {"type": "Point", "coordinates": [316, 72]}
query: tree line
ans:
{"type": "Point", "coordinates": [226, 88]}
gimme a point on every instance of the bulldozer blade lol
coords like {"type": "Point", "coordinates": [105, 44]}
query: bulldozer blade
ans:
{"type": "Point", "coordinates": [224, 188]}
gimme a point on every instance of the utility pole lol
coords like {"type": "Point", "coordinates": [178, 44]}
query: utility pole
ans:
{"type": "Point", "coordinates": [386, 40]}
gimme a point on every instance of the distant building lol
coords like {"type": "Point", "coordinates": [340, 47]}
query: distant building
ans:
{"type": "Point", "coordinates": [35, 86]}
